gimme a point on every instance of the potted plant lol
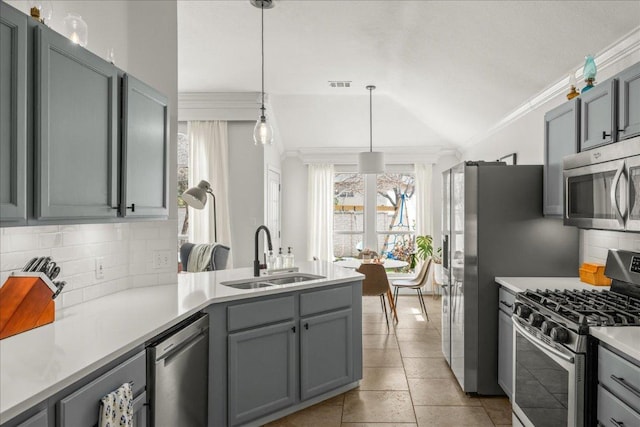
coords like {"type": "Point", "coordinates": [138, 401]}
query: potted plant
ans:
{"type": "Point", "coordinates": [424, 249]}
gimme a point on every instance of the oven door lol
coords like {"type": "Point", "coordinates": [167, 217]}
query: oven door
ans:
{"type": "Point", "coordinates": [633, 176]}
{"type": "Point", "coordinates": [595, 196]}
{"type": "Point", "coordinates": [548, 383]}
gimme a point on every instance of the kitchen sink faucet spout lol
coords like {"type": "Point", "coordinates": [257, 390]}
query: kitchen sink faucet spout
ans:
{"type": "Point", "coordinates": [256, 260]}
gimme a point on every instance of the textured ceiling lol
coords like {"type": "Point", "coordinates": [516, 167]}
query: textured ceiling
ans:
{"type": "Point", "coordinates": [446, 71]}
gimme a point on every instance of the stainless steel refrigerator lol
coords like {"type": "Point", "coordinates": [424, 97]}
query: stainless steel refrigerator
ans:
{"type": "Point", "coordinates": [492, 226]}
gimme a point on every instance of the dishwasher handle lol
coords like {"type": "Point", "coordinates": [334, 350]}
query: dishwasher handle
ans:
{"type": "Point", "coordinates": [181, 338]}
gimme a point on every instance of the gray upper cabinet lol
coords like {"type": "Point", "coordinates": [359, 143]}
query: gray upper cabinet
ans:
{"type": "Point", "coordinates": [13, 115]}
{"type": "Point", "coordinates": [262, 371]}
{"type": "Point", "coordinates": [561, 136]}
{"type": "Point", "coordinates": [76, 127]}
{"type": "Point", "coordinates": [145, 146]}
{"type": "Point", "coordinates": [598, 115]}
{"type": "Point", "coordinates": [629, 102]}
{"type": "Point", "coordinates": [326, 352]}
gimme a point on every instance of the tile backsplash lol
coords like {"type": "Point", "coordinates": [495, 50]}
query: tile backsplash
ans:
{"type": "Point", "coordinates": [127, 250]}
{"type": "Point", "coordinates": [596, 243]}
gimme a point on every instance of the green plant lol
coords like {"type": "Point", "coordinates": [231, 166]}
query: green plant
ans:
{"type": "Point", "coordinates": [424, 249]}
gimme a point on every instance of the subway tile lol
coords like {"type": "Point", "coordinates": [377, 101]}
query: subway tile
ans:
{"type": "Point", "coordinates": [50, 240]}
{"type": "Point", "coordinates": [144, 280]}
{"type": "Point", "coordinates": [17, 260]}
{"type": "Point", "coordinates": [70, 298]}
{"type": "Point", "coordinates": [24, 242]}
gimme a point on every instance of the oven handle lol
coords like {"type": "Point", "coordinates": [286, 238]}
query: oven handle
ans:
{"type": "Point", "coordinates": [614, 191]}
{"type": "Point", "coordinates": [626, 385]}
{"type": "Point", "coordinates": [616, 422]}
{"type": "Point", "coordinates": [541, 345]}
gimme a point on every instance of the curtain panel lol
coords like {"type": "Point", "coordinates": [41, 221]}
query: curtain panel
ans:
{"type": "Point", "coordinates": [320, 212]}
{"type": "Point", "coordinates": [209, 161]}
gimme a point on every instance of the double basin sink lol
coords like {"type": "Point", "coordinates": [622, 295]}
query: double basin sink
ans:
{"type": "Point", "coordinates": [264, 282]}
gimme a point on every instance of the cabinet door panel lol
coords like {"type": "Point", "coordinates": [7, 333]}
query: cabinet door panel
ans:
{"type": "Point", "coordinates": [505, 352]}
{"type": "Point", "coordinates": [13, 115]}
{"type": "Point", "coordinates": [145, 150]}
{"type": "Point", "coordinates": [261, 371]}
{"type": "Point", "coordinates": [598, 116]}
{"type": "Point", "coordinates": [76, 132]}
{"type": "Point", "coordinates": [562, 126]}
{"type": "Point", "coordinates": [326, 350]}
{"type": "Point", "coordinates": [629, 102]}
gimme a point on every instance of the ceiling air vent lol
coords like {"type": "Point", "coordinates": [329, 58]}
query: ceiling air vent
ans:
{"type": "Point", "coordinates": [339, 83]}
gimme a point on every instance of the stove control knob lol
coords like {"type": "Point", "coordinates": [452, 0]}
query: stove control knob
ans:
{"type": "Point", "coordinates": [523, 311]}
{"type": "Point", "coordinates": [535, 320]}
{"type": "Point", "coordinates": [547, 326]}
{"type": "Point", "coordinates": [559, 335]}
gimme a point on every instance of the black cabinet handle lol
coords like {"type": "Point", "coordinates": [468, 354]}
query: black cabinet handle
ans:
{"type": "Point", "coordinates": [505, 303]}
{"type": "Point", "coordinates": [616, 423]}
{"type": "Point", "coordinates": [605, 134]}
{"type": "Point", "coordinates": [132, 207]}
{"type": "Point", "coordinates": [626, 385]}
{"type": "Point", "coordinates": [306, 326]}
{"type": "Point", "coordinates": [293, 329]}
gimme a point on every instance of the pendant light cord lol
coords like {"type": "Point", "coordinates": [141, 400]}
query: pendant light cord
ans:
{"type": "Point", "coordinates": [370, 119]}
{"type": "Point", "coordinates": [262, 39]}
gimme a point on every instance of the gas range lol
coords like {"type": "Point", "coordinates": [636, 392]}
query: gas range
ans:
{"type": "Point", "coordinates": [561, 317]}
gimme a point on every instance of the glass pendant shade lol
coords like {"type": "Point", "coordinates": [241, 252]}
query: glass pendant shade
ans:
{"type": "Point", "coordinates": [371, 162]}
{"type": "Point", "coordinates": [196, 197]}
{"type": "Point", "coordinates": [263, 133]}
{"type": "Point", "coordinates": [45, 7]}
{"type": "Point", "coordinates": [76, 29]}
{"type": "Point", "coordinates": [590, 70]}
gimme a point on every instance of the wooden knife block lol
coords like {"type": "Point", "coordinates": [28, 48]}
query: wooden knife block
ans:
{"type": "Point", "coordinates": [25, 303]}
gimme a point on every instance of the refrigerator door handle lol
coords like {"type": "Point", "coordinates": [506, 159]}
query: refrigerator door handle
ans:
{"type": "Point", "coordinates": [445, 252]}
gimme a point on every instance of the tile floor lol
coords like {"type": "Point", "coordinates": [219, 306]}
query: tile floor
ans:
{"type": "Point", "coordinates": [406, 381]}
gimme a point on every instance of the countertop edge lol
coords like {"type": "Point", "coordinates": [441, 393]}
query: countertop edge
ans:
{"type": "Point", "coordinates": [623, 341]}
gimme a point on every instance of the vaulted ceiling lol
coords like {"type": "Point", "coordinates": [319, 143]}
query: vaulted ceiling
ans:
{"type": "Point", "coordinates": [446, 71]}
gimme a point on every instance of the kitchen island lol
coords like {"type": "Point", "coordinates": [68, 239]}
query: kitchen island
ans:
{"type": "Point", "coordinates": [41, 365]}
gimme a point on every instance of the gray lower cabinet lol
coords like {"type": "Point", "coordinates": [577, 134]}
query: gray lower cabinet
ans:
{"type": "Point", "coordinates": [618, 389]}
{"type": "Point", "coordinates": [629, 102]}
{"type": "Point", "coordinates": [41, 419]}
{"type": "Point", "coordinates": [505, 340]}
{"type": "Point", "coordinates": [145, 151]}
{"type": "Point", "coordinates": [598, 115]}
{"type": "Point", "coordinates": [262, 371]}
{"type": "Point", "coordinates": [76, 126]}
{"type": "Point", "coordinates": [13, 115]}
{"type": "Point", "coordinates": [326, 352]}
{"type": "Point", "coordinates": [561, 137]}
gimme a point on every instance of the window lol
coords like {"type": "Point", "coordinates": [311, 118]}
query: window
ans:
{"type": "Point", "coordinates": [387, 203]}
{"type": "Point", "coordinates": [183, 185]}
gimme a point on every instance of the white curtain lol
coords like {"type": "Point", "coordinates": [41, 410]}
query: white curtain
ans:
{"type": "Point", "coordinates": [209, 161]}
{"type": "Point", "coordinates": [424, 214]}
{"type": "Point", "coordinates": [320, 212]}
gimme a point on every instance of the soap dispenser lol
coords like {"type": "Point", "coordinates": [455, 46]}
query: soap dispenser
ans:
{"type": "Point", "coordinates": [288, 260]}
{"type": "Point", "coordinates": [271, 261]}
{"type": "Point", "coordinates": [279, 260]}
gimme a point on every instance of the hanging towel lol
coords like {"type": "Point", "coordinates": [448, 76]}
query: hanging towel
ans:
{"type": "Point", "coordinates": [116, 408]}
{"type": "Point", "coordinates": [200, 258]}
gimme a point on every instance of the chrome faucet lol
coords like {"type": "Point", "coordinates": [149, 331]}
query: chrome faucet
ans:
{"type": "Point", "coordinates": [256, 261]}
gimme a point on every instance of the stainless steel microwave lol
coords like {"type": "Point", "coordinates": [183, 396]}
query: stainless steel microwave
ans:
{"type": "Point", "coordinates": [602, 187]}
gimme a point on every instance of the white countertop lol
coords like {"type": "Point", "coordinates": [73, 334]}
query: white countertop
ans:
{"type": "Point", "coordinates": [520, 284]}
{"type": "Point", "coordinates": [38, 363]}
{"type": "Point", "coordinates": [623, 338]}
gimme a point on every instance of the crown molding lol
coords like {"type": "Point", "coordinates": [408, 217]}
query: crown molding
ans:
{"type": "Point", "coordinates": [615, 53]}
{"type": "Point", "coordinates": [349, 155]}
{"type": "Point", "coordinates": [231, 106]}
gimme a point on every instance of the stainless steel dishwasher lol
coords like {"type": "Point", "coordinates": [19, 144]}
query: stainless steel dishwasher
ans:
{"type": "Point", "coordinates": [177, 370]}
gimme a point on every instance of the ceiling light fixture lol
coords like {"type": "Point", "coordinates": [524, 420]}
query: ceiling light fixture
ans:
{"type": "Point", "coordinates": [371, 161]}
{"type": "Point", "coordinates": [263, 132]}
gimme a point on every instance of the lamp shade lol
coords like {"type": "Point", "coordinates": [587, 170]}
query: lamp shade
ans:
{"type": "Point", "coordinates": [196, 197]}
{"type": "Point", "coordinates": [371, 162]}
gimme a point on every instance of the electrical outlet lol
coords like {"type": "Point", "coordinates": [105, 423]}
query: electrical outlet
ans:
{"type": "Point", "coordinates": [100, 267]}
{"type": "Point", "coordinates": [161, 259]}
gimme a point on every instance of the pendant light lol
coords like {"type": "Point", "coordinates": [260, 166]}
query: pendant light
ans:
{"type": "Point", "coordinates": [371, 161]}
{"type": "Point", "coordinates": [263, 132]}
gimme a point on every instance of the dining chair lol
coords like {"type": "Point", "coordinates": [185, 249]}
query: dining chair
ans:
{"type": "Point", "coordinates": [416, 283]}
{"type": "Point", "coordinates": [376, 283]}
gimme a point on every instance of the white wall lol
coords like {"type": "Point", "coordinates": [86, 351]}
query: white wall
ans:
{"type": "Point", "coordinates": [444, 163]}
{"type": "Point", "coordinates": [143, 35]}
{"type": "Point", "coordinates": [525, 137]}
{"type": "Point", "coordinates": [246, 191]}
{"type": "Point", "coordinates": [294, 206]}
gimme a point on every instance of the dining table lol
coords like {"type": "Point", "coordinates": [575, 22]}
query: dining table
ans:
{"type": "Point", "coordinates": [387, 263]}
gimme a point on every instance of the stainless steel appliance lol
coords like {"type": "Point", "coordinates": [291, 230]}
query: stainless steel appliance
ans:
{"type": "Point", "coordinates": [177, 369]}
{"type": "Point", "coordinates": [492, 226]}
{"type": "Point", "coordinates": [554, 356]}
{"type": "Point", "coordinates": [602, 187]}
